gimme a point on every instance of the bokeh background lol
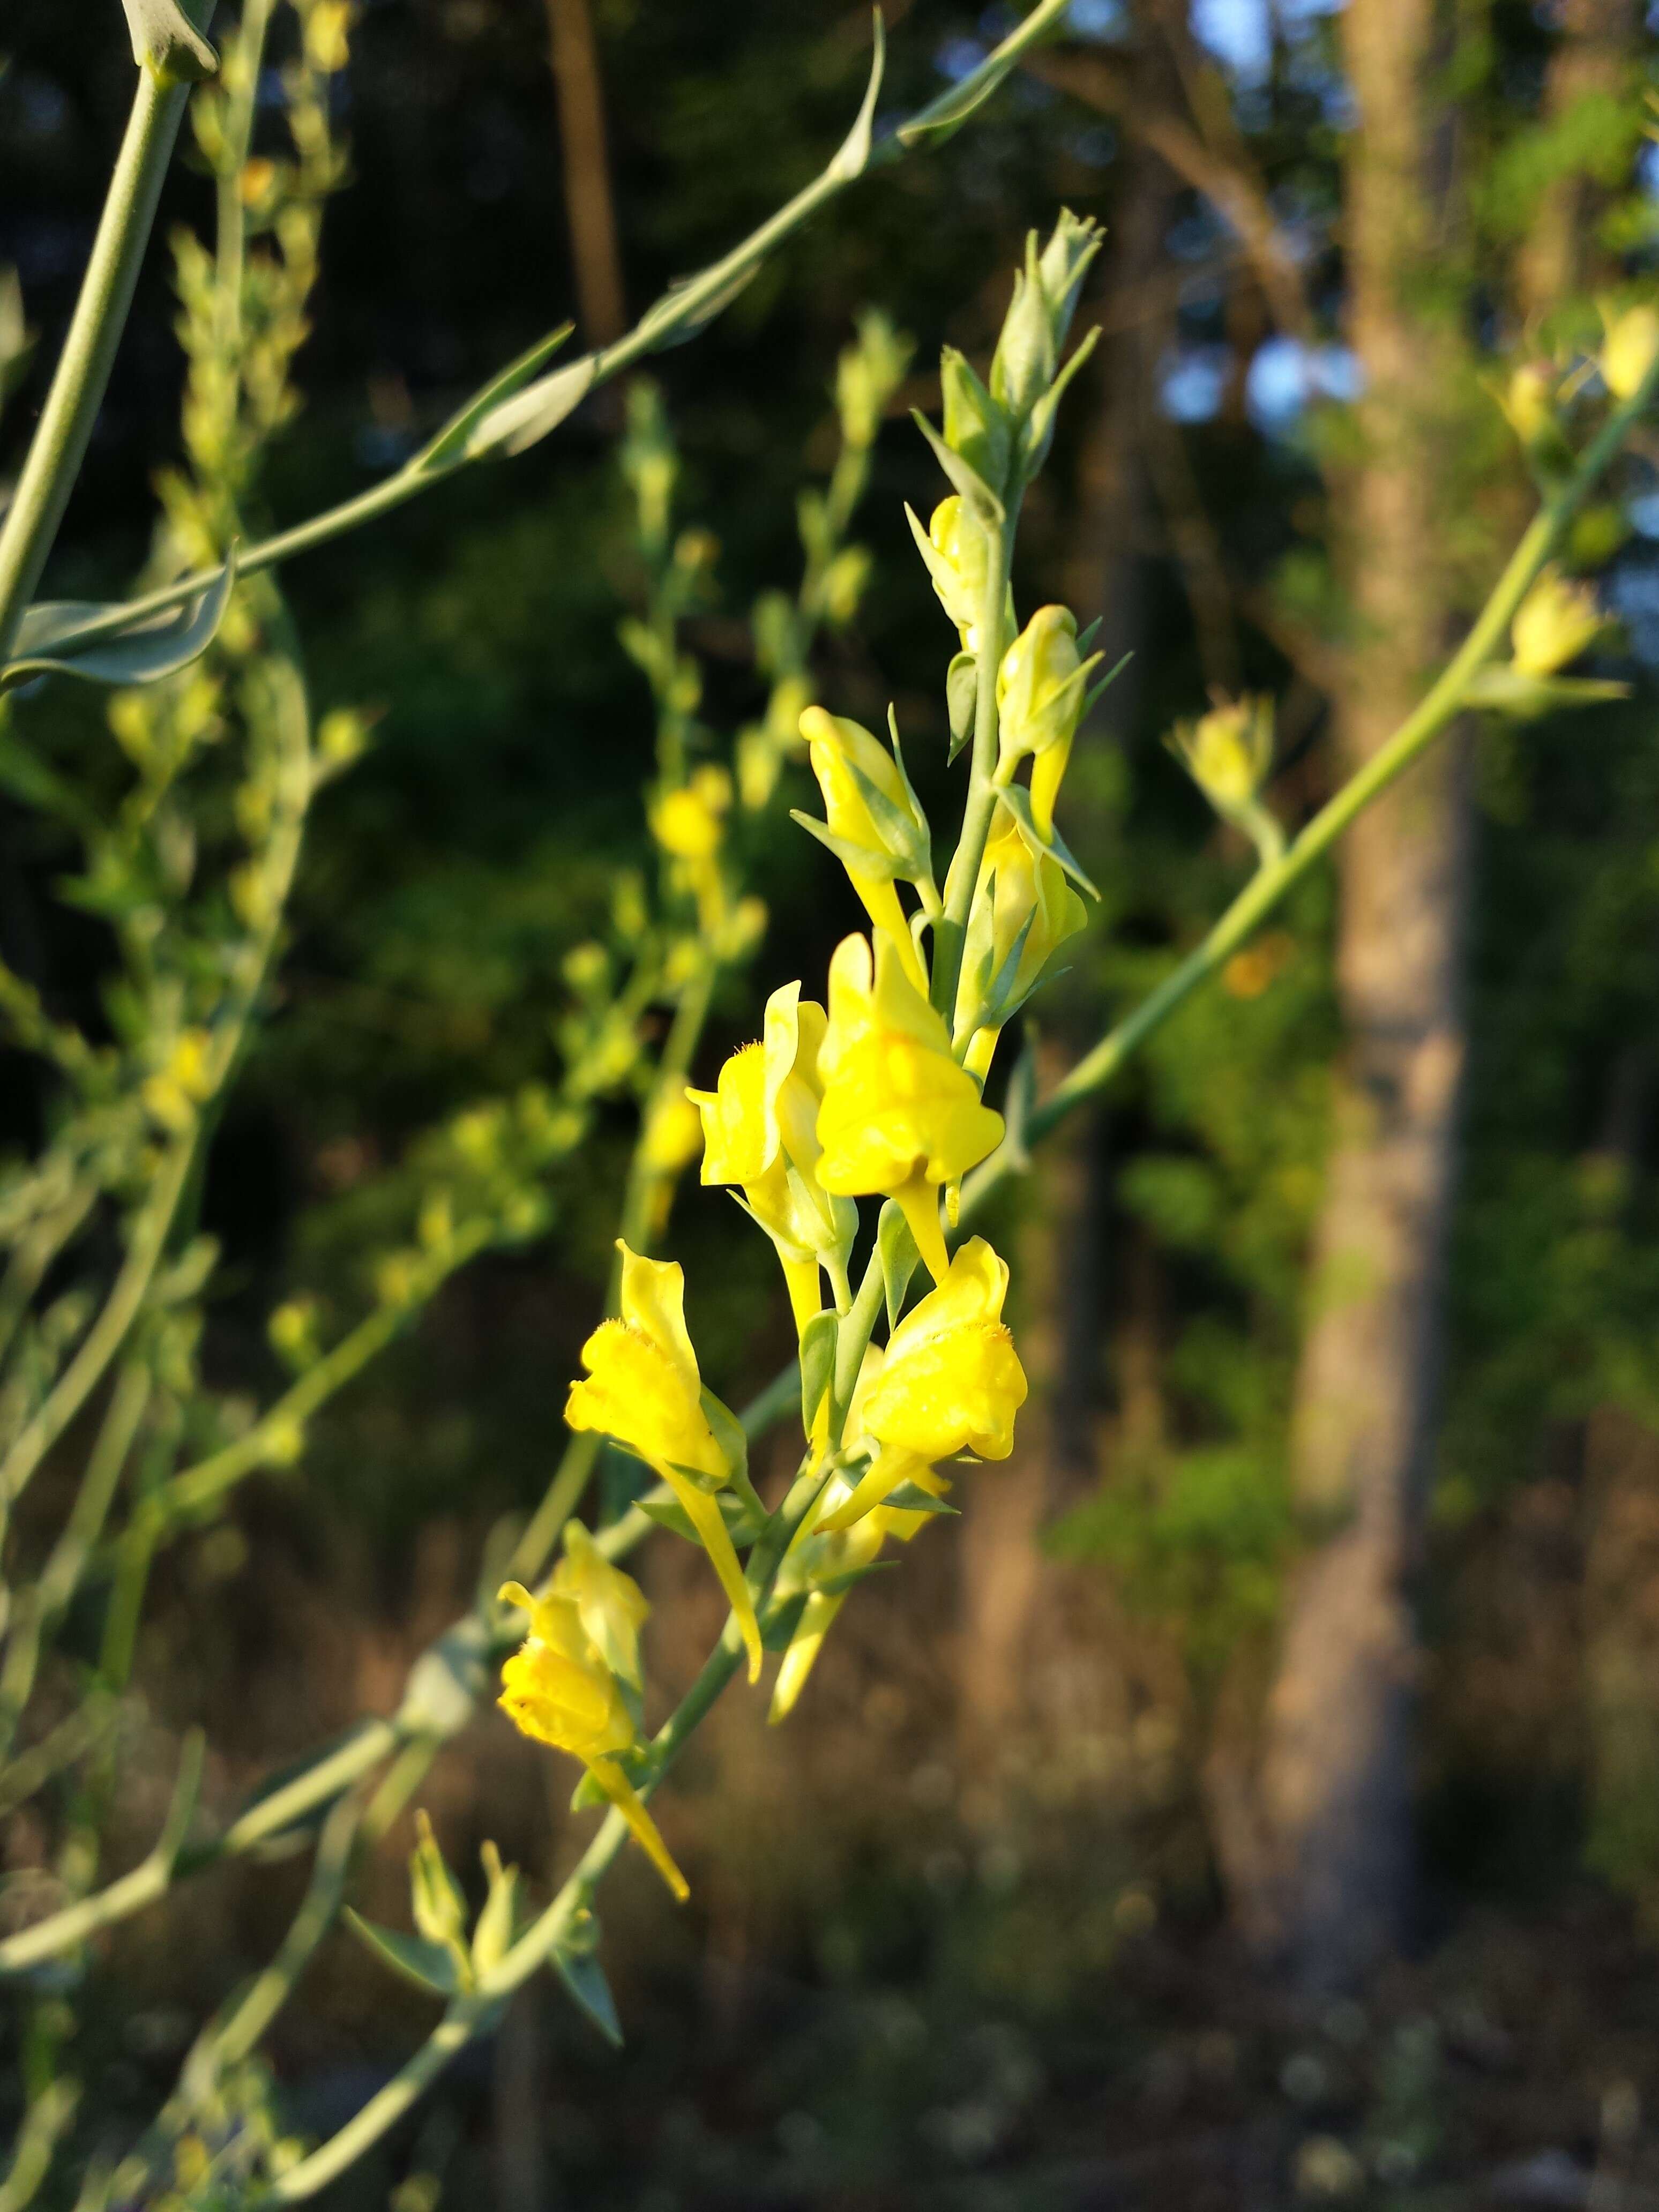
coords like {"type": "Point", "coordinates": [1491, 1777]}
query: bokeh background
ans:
{"type": "Point", "coordinates": [999, 1919]}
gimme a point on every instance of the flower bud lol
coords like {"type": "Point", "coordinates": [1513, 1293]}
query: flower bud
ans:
{"type": "Point", "coordinates": [1040, 685]}
{"type": "Point", "coordinates": [974, 425]}
{"type": "Point", "coordinates": [1631, 348]}
{"type": "Point", "coordinates": [1040, 314]}
{"type": "Point", "coordinates": [958, 553]}
{"type": "Point", "coordinates": [436, 1901]}
{"type": "Point", "coordinates": [874, 824]}
{"type": "Point", "coordinates": [867, 375]}
{"type": "Point", "coordinates": [1228, 752]}
{"type": "Point", "coordinates": [1556, 621]}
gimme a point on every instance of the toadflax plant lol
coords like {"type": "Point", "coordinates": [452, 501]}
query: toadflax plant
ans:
{"type": "Point", "coordinates": [855, 1130]}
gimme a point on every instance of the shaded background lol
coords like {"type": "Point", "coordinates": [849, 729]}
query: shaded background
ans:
{"type": "Point", "coordinates": [1002, 1918]}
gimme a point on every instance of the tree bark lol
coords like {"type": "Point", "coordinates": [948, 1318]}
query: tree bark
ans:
{"type": "Point", "coordinates": [1319, 1854]}
{"type": "Point", "coordinates": [1594, 60]}
{"type": "Point", "coordinates": [590, 210]}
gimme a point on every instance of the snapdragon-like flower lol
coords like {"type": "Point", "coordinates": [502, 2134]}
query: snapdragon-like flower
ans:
{"type": "Point", "coordinates": [558, 1688]}
{"type": "Point", "coordinates": [878, 828]}
{"type": "Point", "coordinates": [643, 1390]}
{"type": "Point", "coordinates": [1040, 691]}
{"type": "Point", "coordinates": [760, 1132]}
{"type": "Point", "coordinates": [899, 1117]}
{"type": "Point", "coordinates": [613, 1605]}
{"type": "Point", "coordinates": [950, 1383]}
{"type": "Point", "coordinates": [1024, 909]}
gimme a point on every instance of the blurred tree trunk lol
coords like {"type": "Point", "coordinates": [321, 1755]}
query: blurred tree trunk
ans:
{"type": "Point", "coordinates": [590, 210]}
{"type": "Point", "coordinates": [1318, 1851]}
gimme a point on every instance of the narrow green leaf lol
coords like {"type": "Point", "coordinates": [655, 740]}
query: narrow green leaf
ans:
{"type": "Point", "coordinates": [1016, 801]}
{"type": "Point", "coordinates": [158, 645]}
{"type": "Point", "coordinates": [911, 1497]}
{"type": "Point", "coordinates": [961, 700]}
{"type": "Point", "coordinates": [430, 1966]}
{"type": "Point", "coordinates": [899, 1259]}
{"type": "Point", "coordinates": [584, 1977]}
{"type": "Point", "coordinates": [516, 424]}
{"type": "Point", "coordinates": [967, 480]}
{"type": "Point", "coordinates": [817, 1366]}
{"type": "Point", "coordinates": [852, 156]}
{"type": "Point", "coordinates": [857, 858]}
{"type": "Point", "coordinates": [838, 1585]}
{"type": "Point", "coordinates": [467, 433]}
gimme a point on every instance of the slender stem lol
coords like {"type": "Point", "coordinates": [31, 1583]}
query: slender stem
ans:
{"type": "Point", "coordinates": [41, 1604]}
{"type": "Point", "coordinates": [59, 444]}
{"type": "Point", "coordinates": [704, 296]}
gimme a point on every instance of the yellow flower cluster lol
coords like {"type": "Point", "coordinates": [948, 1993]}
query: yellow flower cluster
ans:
{"type": "Point", "coordinates": [564, 1685]}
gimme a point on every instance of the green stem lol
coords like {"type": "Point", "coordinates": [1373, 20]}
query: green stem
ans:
{"type": "Point", "coordinates": [706, 293]}
{"type": "Point", "coordinates": [59, 444]}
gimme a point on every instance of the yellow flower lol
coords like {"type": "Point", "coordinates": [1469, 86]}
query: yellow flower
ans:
{"type": "Point", "coordinates": [1556, 621]}
{"type": "Point", "coordinates": [1018, 892]}
{"type": "Point", "coordinates": [613, 1605]}
{"type": "Point", "coordinates": [899, 1117]}
{"type": "Point", "coordinates": [557, 1688]}
{"type": "Point", "coordinates": [759, 1123]}
{"type": "Point", "coordinates": [643, 1390]}
{"type": "Point", "coordinates": [672, 1138]}
{"type": "Point", "coordinates": [1040, 685]}
{"type": "Point", "coordinates": [952, 1382]}
{"type": "Point", "coordinates": [844, 758]}
{"type": "Point", "coordinates": [1632, 345]}
{"type": "Point", "coordinates": [327, 31]}
{"type": "Point", "coordinates": [689, 825]}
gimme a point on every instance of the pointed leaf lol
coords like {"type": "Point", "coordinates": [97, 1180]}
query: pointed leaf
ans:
{"type": "Point", "coordinates": [516, 424]}
{"type": "Point", "coordinates": [466, 435]}
{"type": "Point", "coordinates": [967, 481]}
{"type": "Point", "coordinates": [430, 1966]}
{"type": "Point", "coordinates": [911, 1497]}
{"type": "Point", "coordinates": [1040, 422]}
{"type": "Point", "coordinates": [1016, 801]}
{"type": "Point", "coordinates": [157, 646]}
{"type": "Point", "coordinates": [899, 1258]}
{"type": "Point", "coordinates": [1104, 684]}
{"type": "Point", "coordinates": [852, 157]}
{"type": "Point", "coordinates": [838, 1585]}
{"type": "Point", "coordinates": [962, 700]}
{"type": "Point", "coordinates": [669, 1513]}
{"type": "Point", "coordinates": [857, 860]}
{"type": "Point", "coordinates": [584, 1977]}
{"type": "Point", "coordinates": [817, 1366]}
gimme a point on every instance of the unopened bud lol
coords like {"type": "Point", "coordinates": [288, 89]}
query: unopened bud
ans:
{"type": "Point", "coordinates": [1556, 621]}
{"type": "Point", "coordinates": [1632, 348]}
{"type": "Point", "coordinates": [1228, 752]}
{"type": "Point", "coordinates": [957, 554]}
{"type": "Point", "coordinates": [1040, 685]}
{"type": "Point", "coordinates": [867, 803]}
{"type": "Point", "coordinates": [974, 425]}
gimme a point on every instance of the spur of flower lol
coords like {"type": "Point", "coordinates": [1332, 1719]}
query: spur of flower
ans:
{"type": "Point", "coordinates": [760, 1133]}
{"type": "Point", "coordinates": [899, 1117]}
{"type": "Point", "coordinates": [643, 1390]}
{"type": "Point", "coordinates": [558, 1688]}
{"type": "Point", "coordinates": [950, 1383]}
